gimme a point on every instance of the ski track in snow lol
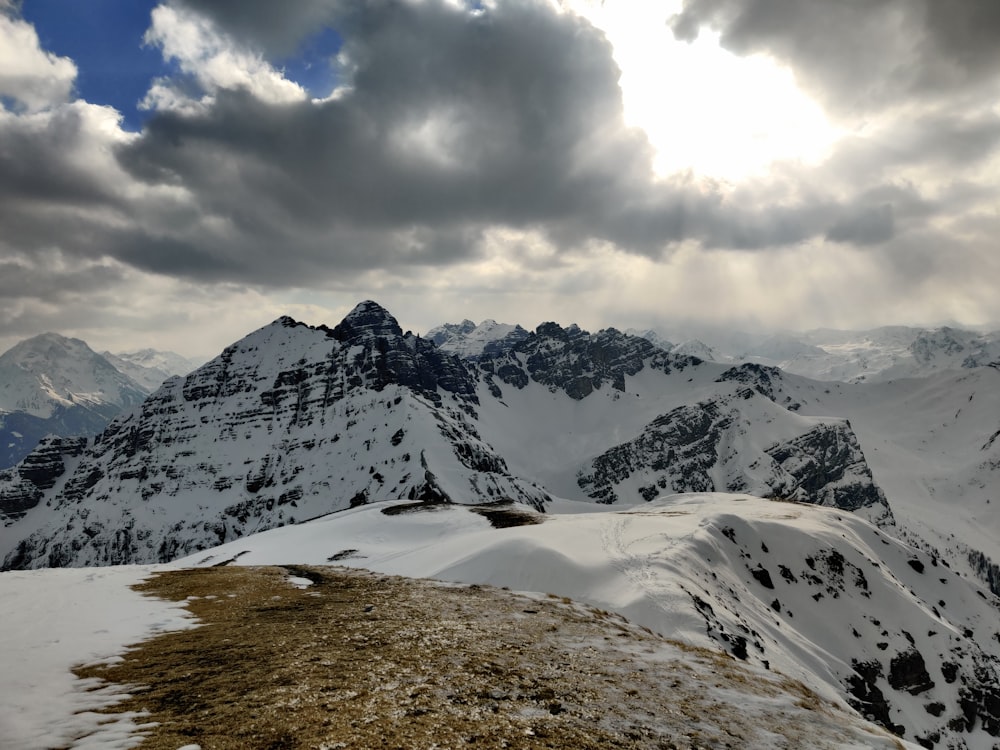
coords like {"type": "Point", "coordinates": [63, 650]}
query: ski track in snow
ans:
{"type": "Point", "coordinates": [636, 568]}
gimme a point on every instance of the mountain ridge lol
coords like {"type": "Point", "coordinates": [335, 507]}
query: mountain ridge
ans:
{"type": "Point", "coordinates": [497, 468]}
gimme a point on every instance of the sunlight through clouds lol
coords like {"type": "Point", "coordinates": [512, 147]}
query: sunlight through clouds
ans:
{"type": "Point", "coordinates": [703, 108]}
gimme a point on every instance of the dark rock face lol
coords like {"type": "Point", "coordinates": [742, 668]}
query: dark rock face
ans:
{"type": "Point", "coordinates": [867, 698]}
{"type": "Point", "coordinates": [687, 449]}
{"type": "Point", "coordinates": [828, 468]}
{"type": "Point", "coordinates": [908, 672]}
{"type": "Point", "coordinates": [988, 570]}
{"type": "Point", "coordinates": [22, 487]}
{"type": "Point", "coordinates": [47, 462]}
{"type": "Point", "coordinates": [575, 361]}
{"type": "Point", "coordinates": [387, 357]}
{"type": "Point", "coordinates": [677, 449]}
{"type": "Point", "coordinates": [367, 321]}
{"type": "Point", "coordinates": [764, 380]}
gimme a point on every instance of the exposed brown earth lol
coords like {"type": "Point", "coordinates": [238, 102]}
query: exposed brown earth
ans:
{"type": "Point", "coordinates": [358, 660]}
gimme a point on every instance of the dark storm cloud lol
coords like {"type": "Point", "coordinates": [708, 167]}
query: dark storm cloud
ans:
{"type": "Point", "coordinates": [451, 117]}
{"type": "Point", "coordinates": [20, 278]}
{"type": "Point", "coordinates": [33, 163]}
{"type": "Point", "coordinates": [454, 122]}
{"type": "Point", "coordinates": [860, 55]}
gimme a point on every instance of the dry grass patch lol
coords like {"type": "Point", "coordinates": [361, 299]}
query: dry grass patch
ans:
{"type": "Point", "coordinates": [359, 660]}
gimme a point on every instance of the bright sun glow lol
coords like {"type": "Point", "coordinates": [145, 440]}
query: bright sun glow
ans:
{"type": "Point", "coordinates": [703, 108]}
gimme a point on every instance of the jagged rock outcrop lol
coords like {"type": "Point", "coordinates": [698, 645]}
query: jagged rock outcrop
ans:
{"type": "Point", "coordinates": [577, 362]}
{"type": "Point", "coordinates": [767, 381]}
{"type": "Point", "coordinates": [22, 487]}
{"type": "Point", "coordinates": [827, 467]}
{"type": "Point", "coordinates": [727, 444]}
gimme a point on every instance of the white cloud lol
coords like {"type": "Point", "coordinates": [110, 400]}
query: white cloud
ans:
{"type": "Point", "coordinates": [35, 78]}
{"type": "Point", "coordinates": [213, 59]}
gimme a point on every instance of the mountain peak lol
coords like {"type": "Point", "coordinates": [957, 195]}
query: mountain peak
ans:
{"type": "Point", "coordinates": [46, 342]}
{"type": "Point", "coordinates": [367, 320]}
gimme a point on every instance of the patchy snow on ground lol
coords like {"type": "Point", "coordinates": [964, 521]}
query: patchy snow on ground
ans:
{"type": "Point", "coordinates": [54, 620]}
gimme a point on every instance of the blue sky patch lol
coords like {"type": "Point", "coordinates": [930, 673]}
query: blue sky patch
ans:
{"type": "Point", "coordinates": [104, 39]}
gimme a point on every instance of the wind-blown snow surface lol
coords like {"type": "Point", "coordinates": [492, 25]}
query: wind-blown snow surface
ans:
{"type": "Point", "coordinates": [54, 620]}
{"type": "Point", "coordinates": [818, 594]}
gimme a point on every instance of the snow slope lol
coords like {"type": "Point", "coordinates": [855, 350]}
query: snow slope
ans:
{"type": "Point", "coordinates": [54, 620]}
{"type": "Point", "coordinates": [817, 594]}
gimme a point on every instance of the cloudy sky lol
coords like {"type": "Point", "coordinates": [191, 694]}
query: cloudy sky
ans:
{"type": "Point", "coordinates": [175, 174]}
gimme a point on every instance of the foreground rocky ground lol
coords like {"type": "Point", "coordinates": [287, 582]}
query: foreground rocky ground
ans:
{"type": "Point", "coordinates": [327, 658]}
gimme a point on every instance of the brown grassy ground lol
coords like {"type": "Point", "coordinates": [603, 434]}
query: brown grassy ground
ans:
{"type": "Point", "coordinates": [359, 660]}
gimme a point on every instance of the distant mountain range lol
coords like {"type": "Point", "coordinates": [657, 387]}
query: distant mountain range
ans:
{"type": "Point", "coordinates": [877, 355]}
{"type": "Point", "coordinates": [53, 385]}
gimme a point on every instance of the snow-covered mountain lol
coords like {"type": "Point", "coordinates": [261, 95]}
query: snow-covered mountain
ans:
{"type": "Point", "coordinates": [289, 423]}
{"type": "Point", "coordinates": [877, 355]}
{"type": "Point", "coordinates": [150, 367]}
{"type": "Point", "coordinates": [652, 336]}
{"type": "Point", "coordinates": [699, 349]}
{"type": "Point", "coordinates": [469, 341]}
{"type": "Point", "coordinates": [248, 441]}
{"type": "Point", "coordinates": [53, 384]}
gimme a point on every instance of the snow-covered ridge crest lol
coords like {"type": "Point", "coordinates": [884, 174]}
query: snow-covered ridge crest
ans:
{"type": "Point", "coordinates": [150, 367]}
{"type": "Point", "coordinates": [818, 594]}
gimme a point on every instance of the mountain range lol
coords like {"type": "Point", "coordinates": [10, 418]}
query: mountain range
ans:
{"type": "Point", "coordinates": [54, 385]}
{"type": "Point", "coordinates": [594, 465]}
